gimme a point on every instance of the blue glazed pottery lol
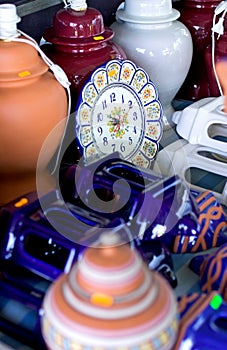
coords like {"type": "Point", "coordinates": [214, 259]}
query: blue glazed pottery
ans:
{"type": "Point", "coordinates": [213, 227]}
{"type": "Point", "coordinates": [213, 272]}
{"type": "Point", "coordinates": [202, 322]}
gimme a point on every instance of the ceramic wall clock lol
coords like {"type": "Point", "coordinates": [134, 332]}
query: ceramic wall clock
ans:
{"type": "Point", "coordinates": [119, 110]}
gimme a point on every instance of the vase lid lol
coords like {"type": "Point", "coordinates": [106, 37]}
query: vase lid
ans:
{"type": "Point", "coordinates": [78, 27]}
{"type": "Point", "coordinates": [147, 12]}
{"type": "Point", "coordinates": [108, 295]}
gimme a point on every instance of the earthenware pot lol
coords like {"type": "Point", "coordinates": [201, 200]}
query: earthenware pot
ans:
{"type": "Point", "coordinates": [32, 104]}
{"type": "Point", "coordinates": [110, 300]}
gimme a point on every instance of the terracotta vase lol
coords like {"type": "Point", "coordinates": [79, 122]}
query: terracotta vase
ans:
{"type": "Point", "coordinates": [32, 103]}
{"type": "Point", "coordinates": [110, 300]}
{"type": "Point", "coordinates": [78, 42]}
{"type": "Point", "coordinates": [197, 15]}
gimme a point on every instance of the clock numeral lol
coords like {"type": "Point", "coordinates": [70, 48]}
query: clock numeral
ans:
{"type": "Point", "coordinates": [99, 117]}
{"type": "Point", "coordinates": [105, 141]}
{"type": "Point", "coordinates": [130, 140]}
{"type": "Point", "coordinates": [112, 97]}
{"type": "Point", "coordinates": [130, 104]}
{"type": "Point", "coordinates": [134, 129]}
{"type": "Point", "coordinates": [99, 130]}
{"type": "Point", "coordinates": [113, 147]}
{"type": "Point", "coordinates": [122, 147]}
{"type": "Point", "coordinates": [135, 116]}
{"type": "Point", "coordinates": [104, 104]}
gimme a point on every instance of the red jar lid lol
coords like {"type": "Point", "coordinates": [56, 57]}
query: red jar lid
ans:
{"type": "Point", "coordinates": [73, 27]}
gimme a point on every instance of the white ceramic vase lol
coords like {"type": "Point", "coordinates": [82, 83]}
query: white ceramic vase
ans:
{"type": "Point", "coordinates": [153, 38]}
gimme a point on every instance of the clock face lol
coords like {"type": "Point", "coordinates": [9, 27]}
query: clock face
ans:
{"type": "Point", "coordinates": [117, 121]}
{"type": "Point", "coordinates": [119, 111]}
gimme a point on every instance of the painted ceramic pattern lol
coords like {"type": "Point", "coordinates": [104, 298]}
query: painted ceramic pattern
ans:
{"type": "Point", "coordinates": [90, 151]}
{"type": "Point", "coordinates": [85, 112]}
{"type": "Point", "coordinates": [113, 71]}
{"type": "Point", "coordinates": [148, 93]}
{"type": "Point", "coordinates": [100, 79]}
{"type": "Point", "coordinates": [212, 230]}
{"type": "Point", "coordinates": [124, 111]}
{"type": "Point", "coordinates": [149, 148]}
{"type": "Point", "coordinates": [127, 72]}
{"type": "Point", "coordinates": [213, 272]}
{"type": "Point", "coordinates": [118, 122]}
{"type": "Point", "coordinates": [86, 135]}
{"type": "Point", "coordinates": [139, 80]}
{"type": "Point", "coordinates": [140, 160]}
{"type": "Point", "coordinates": [153, 111]}
{"type": "Point", "coordinates": [54, 336]}
{"type": "Point", "coordinates": [153, 130]}
{"type": "Point", "coordinates": [90, 94]}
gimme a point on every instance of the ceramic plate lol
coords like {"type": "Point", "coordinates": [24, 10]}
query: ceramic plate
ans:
{"type": "Point", "coordinates": [119, 110]}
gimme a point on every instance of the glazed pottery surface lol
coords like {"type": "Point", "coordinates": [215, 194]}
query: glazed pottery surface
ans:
{"type": "Point", "coordinates": [213, 227]}
{"type": "Point", "coordinates": [197, 15]}
{"type": "Point", "coordinates": [155, 40]}
{"type": "Point", "coordinates": [202, 320]}
{"type": "Point", "coordinates": [32, 104]}
{"type": "Point", "coordinates": [213, 276]}
{"type": "Point", "coordinates": [110, 300]}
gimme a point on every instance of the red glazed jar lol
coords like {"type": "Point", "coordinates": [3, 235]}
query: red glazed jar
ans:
{"type": "Point", "coordinates": [32, 104]}
{"type": "Point", "coordinates": [78, 42]}
{"type": "Point", "coordinates": [197, 15]}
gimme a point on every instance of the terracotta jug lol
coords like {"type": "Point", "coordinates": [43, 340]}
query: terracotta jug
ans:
{"type": "Point", "coordinates": [32, 104]}
{"type": "Point", "coordinates": [110, 300]}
